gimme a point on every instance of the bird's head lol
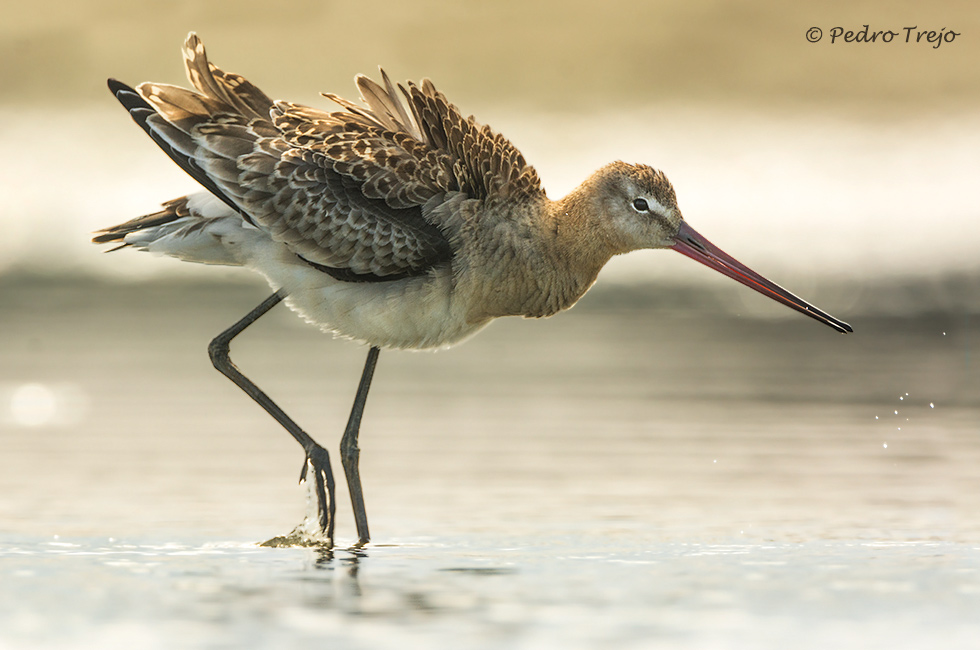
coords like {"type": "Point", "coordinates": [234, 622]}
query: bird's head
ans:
{"type": "Point", "coordinates": [637, 208]}
{"type": "Point", "coordinates": [636, 205]}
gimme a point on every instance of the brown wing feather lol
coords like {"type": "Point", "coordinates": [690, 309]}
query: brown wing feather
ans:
{"type": "Point", "coordinates": [407, 155]}
{"type": "Point", "coordinates": [344, 189]}
{"type": "Point", "coordinates": [231, 89]}
{"type": "Point", "coordinates": [391, 165]}
{"type": "Point", "coordinates": [486, 164]}
{"type": "Point", "coordinates": [331, 219]}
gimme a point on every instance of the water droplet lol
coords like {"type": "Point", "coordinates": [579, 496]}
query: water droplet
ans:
{"type": "Point", "coordinates": [885, 445]}
{"type": "Point", "coordinates": [931, 405]}
{"type": "Point", "coordinates": [896, 412]}
{"type": "Point", "coordinates": [876, 417]}
{"type": "Point", "coordinates": [900, 397]}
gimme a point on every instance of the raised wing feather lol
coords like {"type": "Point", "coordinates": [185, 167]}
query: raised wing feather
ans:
{"type": "Point", "coordinates": [410, 154]}
{"type": "Point", "coordinates": [486, 165]}
{"type": "Point", "coordinates": [231, 89]}
{"type": "Point", "coordinates": [347, 191]}
{"type": "Point", "coordinates": [390, 165]}
{"type": "Point", "coordinates": [223, 130]}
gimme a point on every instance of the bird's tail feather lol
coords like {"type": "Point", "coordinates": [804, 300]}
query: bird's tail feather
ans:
{"type": "Point", "coordinates": [172, 211]}
{"type": "Point", "coordinates": [195, 228]}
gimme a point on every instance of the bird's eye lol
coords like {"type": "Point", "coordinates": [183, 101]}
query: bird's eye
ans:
{"type": "Point", "coordinates": [640, 205]}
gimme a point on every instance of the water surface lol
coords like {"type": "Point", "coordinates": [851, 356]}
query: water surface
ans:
{"type": "Point", "coordinates": [627, 474]}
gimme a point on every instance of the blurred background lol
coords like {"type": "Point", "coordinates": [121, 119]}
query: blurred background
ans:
{"type": "Point", "coordinates": [844, 171]}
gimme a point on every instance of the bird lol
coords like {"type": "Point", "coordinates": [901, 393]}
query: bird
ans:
{"type": "Point", "coordinates": [396, 223]}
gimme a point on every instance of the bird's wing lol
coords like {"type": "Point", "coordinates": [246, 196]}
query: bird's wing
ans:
{"type": "Point", "coordinates": [404, 150]}
{"type": "Point", "coordinates": [223, 135]}
{"type": "Point", "coordinates": [349, 190]}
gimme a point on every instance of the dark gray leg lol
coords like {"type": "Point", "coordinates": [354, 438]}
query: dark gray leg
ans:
{"type": "Point", "coordinates": [316, 455]}
{"type": "Point", "coordinates": [350, 453]}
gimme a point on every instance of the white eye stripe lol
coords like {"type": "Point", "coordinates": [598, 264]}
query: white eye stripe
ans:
{"type": "Point", "coordinates": [648, 204]}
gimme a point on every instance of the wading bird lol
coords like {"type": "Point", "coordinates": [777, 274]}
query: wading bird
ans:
{"type": "Point", "coordinates": [398, 224]}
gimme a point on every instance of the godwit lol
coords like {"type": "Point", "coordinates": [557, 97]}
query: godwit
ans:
{"type": "Point", "coordinates": [399, 224]}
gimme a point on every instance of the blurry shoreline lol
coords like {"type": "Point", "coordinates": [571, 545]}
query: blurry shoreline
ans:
{"type": "Point", "coordinates": [947, 295]}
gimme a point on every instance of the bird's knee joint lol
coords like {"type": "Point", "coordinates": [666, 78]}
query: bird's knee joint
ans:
{"type": "Point", "coordinates": [218, 350]}
{"type": "Point", "coordinates": [318, 456]}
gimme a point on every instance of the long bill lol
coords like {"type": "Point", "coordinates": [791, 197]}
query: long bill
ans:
{"type": "Point", "coordinates": [689, 242]}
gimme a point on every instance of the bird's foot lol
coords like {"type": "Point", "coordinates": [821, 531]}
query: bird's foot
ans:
{"type": "Point", "coordinates": [318, 459]}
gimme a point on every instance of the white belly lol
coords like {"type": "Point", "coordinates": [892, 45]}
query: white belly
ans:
{"type": "Point", "coordinates": [413, 313]}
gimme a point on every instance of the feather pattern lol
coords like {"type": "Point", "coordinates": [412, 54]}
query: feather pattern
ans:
{"type": "Point", "coordinates": [172, 211]}
{"type": "Point", "coordinates": [353, 191]}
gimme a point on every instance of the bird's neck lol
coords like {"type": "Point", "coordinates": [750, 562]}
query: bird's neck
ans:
{"type": "Point", "coordinates": [577, 247]}
{"type": "Point", "coordinates": [548, 256]}
{"type": "Point", "coordinates": [580, 234]}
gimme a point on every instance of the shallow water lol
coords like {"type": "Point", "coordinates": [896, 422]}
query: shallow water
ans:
{"type": "Point", "coordinates": [621, 475]}
{"type": "Point", "coordinates": [569, 590]}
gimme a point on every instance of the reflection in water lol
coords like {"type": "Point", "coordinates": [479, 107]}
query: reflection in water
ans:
{"type": "Point", "coordinates": [482, 571]}
{"type": "Point", "coordinates": [573, 591]}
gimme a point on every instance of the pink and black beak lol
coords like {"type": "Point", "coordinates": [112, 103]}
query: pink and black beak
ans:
{"type": "Point", "coordinates": [689, 242]}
